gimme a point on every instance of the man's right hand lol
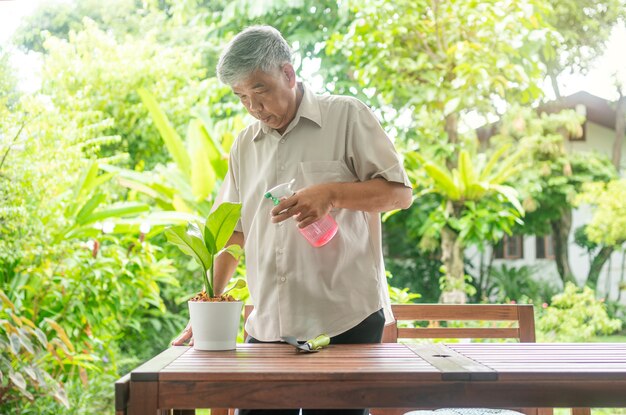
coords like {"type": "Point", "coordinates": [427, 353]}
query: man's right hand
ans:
{"type": "Point", "coordinates": [185, 336]}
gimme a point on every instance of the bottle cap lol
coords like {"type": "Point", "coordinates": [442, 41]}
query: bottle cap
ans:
{"type": "Point", "coordinates": [281, 191]}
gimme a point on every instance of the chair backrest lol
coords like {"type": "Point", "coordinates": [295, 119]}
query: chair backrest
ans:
{"type": "Point", "coordinates": [521, 327]}
{"type": "Point", "coordinates": [520, 315]}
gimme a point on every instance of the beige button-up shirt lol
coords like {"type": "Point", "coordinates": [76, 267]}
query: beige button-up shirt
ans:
{"type": "Point", "coordinates": [297, 289]}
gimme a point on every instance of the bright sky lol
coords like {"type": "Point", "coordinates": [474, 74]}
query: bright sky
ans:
{"type": "Point", "coordinates": [599, 81]}
{"type": "Point", "coordinates": [601, 78]}
{"type": "Point", "coordinates": [11, 11]}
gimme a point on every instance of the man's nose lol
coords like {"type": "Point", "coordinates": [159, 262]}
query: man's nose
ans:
{"type": "Point", "coordinates": [255, 105]}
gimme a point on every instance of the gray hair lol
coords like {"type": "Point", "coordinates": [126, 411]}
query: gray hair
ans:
{"type": "Point", "coordinates": [256, 48]}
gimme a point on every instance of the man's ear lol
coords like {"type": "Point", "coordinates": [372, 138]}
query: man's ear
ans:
{"type": "Point", "coordinates": [290, 74]}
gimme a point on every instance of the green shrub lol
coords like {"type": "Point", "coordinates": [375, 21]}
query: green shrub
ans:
{"type": "Point", "coordinates": [510, 283]}
{"type": "Point", "coordinates": [573, 316]}
{"type": "Point", "coordinates": [25, 355]}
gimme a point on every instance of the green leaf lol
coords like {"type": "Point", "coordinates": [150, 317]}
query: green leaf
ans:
{"type": "Point", "coordinates": [209, 241]}
{"type": "Point", "coordinates": [389, 214]}
{"type": "Point", "coordinates": [492, 162]}
{"type": "Point", "coordinates": [235, 250]}
{"type": "Point", "coordinates": [6, 301]}
{"type": "Point", "coordinates": [238, 284]}
{"type": "Point", "coordinates": [89, 207]}
{"type": "Point", "coordinates": [466, 170]}
{"type": "Point", "coordinates": [26, 343]}
{"type": "Point", "coordinates": [16, 344]}
{"type": "Point", "coordinates": [152, 190]}
{"type": "Point", "coordinates": [511, 196]}
{"type": "Point", "coordinates": [116, 211]}
{"type": "Point", "coordinates": [451, 106]}
{"type": "Point", "coordinates": [219, 159]}
{"type": "Point", "coordinates": [222, 222]}
{"type": "Point", "coordinates": [508, 168]}
{"type": "Point", "coordinates": [443, 180]}
{"type": "Point", "coordinates": [97, 181]}
{"type": "Point", "coordinates": [30, 372]}
{"type": "Point", "coordinates": [209, 126]}
{"type": "Point", "coordinates": [172, 140]}
{"type": "Point", "coordinates": [18, 380]}
{"type": "Point", "coordinates": [202, 174]}
{"type": "Point", "coordinates": [62, 335]}
{"type": "Point", "coordinates": [61, 396]}
{"type": "Point", "coordinates": [191, 245]}
{"type": "Point", "coordinates": [41, 337]}
{"type": "Point", "coordinates": [88, 176]}
{"type": "Point", "coordinates": [171, 217]}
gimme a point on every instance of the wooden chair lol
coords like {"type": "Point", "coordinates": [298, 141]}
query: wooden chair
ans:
{"type": "Point", "coordinates": [521, 328]}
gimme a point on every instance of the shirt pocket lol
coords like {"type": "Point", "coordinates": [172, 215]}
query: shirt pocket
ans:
{"type": "Point", "coordinates": [316, 172]}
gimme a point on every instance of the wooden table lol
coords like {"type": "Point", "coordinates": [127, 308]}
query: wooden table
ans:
{"type": "Point", "coordinates": [383, 375]}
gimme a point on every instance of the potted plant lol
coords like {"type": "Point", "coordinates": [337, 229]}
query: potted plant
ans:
{"type": "Point", "coordinates": [214, 319]}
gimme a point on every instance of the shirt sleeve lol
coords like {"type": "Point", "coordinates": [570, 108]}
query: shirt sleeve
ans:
{"type": "Point", "coordinates": [229, 191]}
{"type": "Point", "coordinates": [370, 152]}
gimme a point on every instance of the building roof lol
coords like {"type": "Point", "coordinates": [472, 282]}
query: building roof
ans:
{"type": "Point", "coordinates": [597, 110]}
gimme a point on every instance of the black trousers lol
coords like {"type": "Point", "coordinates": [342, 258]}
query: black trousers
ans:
{"type": "Point", "coordinates": [369, 330]}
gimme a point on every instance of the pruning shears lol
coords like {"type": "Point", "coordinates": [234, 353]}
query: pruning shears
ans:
{"type": "Point", "coordinates": [310, 346]}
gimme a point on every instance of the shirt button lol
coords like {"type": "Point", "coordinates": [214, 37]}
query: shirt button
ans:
{"type": "Point", "coordinates": [280, 223]}
{"type": "Point", "coordinates": [282, 167]}
{"type": "Point", "coordinates": [282, 140]}
{"type": "Point", "coordinates": [283, 279]}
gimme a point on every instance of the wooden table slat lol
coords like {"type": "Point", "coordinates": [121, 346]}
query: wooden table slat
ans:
{"type": "Point", "coordinates": [149, 371]}
{"type": "Point", "coordinates": [453, 365]}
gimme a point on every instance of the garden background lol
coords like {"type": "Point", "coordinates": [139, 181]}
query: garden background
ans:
{"type": "Point", "coordinates": [127, 132]}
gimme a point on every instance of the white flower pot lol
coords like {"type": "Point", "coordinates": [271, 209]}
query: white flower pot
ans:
{"type": "Point", "coordinates": [215, 324]}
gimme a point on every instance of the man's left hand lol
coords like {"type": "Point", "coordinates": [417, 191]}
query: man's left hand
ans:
{"type": "Point", "coordinates": [307, 205]}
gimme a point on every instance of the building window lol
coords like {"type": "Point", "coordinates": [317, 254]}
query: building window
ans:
{"type": "Point", "coordinates": [545, 247]}
{"type": "Point", "coordinates": [580, 110]}
{"type": "Point", "coordinates": [510, 247]}
{"type": "Point", "coordinates": [583, 136]}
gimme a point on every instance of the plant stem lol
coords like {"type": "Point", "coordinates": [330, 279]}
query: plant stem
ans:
{"type": "Point", "coordinates": [209, 280]}
{"type": "Point", "coordinates": [6, 153]}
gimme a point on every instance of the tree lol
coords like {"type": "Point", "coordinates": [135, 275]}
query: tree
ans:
{"type": "Point", "coordinates": [58, 18]}
{"type": "Point", "coordinates": [475, 205]}
{"type": "Point", "coordinates": [583, 27]}
{"type": "Point", "coordinates": [8, 83]}
{"type": "Point", "coordinates": [620, 129]}
{"type": "Point", "coordinates": [554, 177]}
{"type": "Point", "coordinates": [445, 58]}
{"type": "Point", "coordinates": [93, 73]}
{"type": "Point", "coordinates": [439, 61]}
{"type": "Point", "coordinates": [607, 227]}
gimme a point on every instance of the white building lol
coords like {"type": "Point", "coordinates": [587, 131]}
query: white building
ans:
{"type": "Point", "coordinates": [516, 251]}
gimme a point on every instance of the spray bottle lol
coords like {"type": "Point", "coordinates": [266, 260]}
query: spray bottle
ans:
{"type": "Point", "coordinates": [318, 233]}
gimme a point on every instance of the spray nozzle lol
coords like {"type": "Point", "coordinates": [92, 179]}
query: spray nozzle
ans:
{"type": "Point", "coordinates": [278, 192]}
{"type": "Point", "coordinates": [276, 201]}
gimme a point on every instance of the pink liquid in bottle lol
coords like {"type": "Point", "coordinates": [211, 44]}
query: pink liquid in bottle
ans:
{"type": "Point", "coordinates": [318, 233]}
{"type": "Point", "coordinates": [321, 232]}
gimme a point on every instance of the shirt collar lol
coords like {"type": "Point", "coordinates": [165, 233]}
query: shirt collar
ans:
{"type": "Point", "coordinates": [309, 108]}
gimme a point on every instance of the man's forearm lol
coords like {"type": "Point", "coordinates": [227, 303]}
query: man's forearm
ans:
{"type": "Point", "coordinates": [225, 264]}
{"type": "Point", "coordinates": [376, 195]}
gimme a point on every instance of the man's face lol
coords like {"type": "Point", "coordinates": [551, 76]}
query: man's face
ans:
{"type": "Point", "coordinates": [270, 96]}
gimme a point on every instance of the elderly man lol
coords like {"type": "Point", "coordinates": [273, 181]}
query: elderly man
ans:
{"type": "Point", "coordinates": [344, 165]}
